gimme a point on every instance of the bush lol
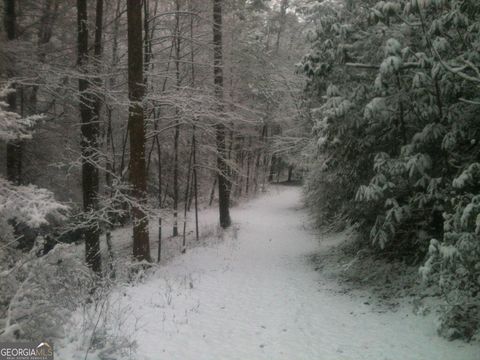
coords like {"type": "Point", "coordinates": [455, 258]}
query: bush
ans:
{"type": "Point", "coordinates": [396, 135]}
{"type": "Point", "coordinates": [44, 290]}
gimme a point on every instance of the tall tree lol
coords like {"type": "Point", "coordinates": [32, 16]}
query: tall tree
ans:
{"type": "Point", "coordinates": [97, 51]}
{"type": "Point", "coordinates": [223, 185]}
{"type": "Point", "coordinates": [136, 128]}
{"type": "Point", "coordinates": [90, 131]}
{"type": "Point", "coordinates": [194, 140]}
{"type": "Point", "coordinates": [176, 135]}
{"type": "Point", "coordinates": [14, 148]}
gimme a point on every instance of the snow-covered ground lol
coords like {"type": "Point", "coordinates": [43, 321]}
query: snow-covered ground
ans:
{"type": "Point", "coordinates": [255, 295]}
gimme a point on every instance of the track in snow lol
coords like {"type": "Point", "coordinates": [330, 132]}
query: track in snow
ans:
{"type": "Point", "coordinates": [255, 295]}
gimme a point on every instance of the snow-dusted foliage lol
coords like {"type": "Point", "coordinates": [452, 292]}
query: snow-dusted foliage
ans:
{"type": "Point", "coordinates": [32, 285]}
{"type": "Point", "coordinates": [402, 159]}
{"type": "Point", "coordinates": [26, 204]}
{"type": "Point", "coordinates": [45, 290]}
{"type": "Point", "coordinates": [12, 125]}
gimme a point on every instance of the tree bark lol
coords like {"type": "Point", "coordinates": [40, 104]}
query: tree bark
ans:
{"type": "Point", "coordinates": [239, 160]}
{"type": "Point", "coordinates": [187, 192]}
{"type": "Point", "coordinates": [259, 157]}
{"type": "Point", "coordinates": [195, 183]}
{"type": "Point", "coordinates": [273, 167]}
{"type": "Point", "coordinates": [194, 140]}
{"type": "Point", "coordinates": [177, 124]}
{"type": "Point", "coordinates": [98, 49]}
{"type": "Point", "coordinates": [223, 182]}
{"type": "Point", "coordinates": [89, 144]}
{"type": "Point", "coordinates": [249, 156]}
{"type": "Point", "coordinates": [159, 154]}
{"type": "Point", "coordinates": [290, 173]}
{"type": "Point", "coordinates": [212, 192]}
{"type": "Point", "coordinates": [136, 127]}
{"type": "Point", "coordinates": [10, 19]}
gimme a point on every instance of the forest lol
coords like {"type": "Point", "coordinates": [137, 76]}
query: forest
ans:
{"type": "Point", "coordinates": [300, 175]}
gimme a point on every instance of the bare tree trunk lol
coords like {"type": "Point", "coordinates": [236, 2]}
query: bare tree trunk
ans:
{"type": "Point", "coordinates": [98, 49]}
{"type": "Point", "coordinates": [159, 253]}
{"type": "Point", "coordinates": [160, 180]}
{"type": "Point", "coordinates": [14, 148]}
{"type": "Point", "coordinates": [115, 60]}
{"type": "Point", "coordinates": [110, 151]}
{"type": "Point", "coordinates": [249, 156]}
{"type": "Point", "coordinates": [187, 190]}
{"type": "Point", "coordinates": [159, 151]}
{"type": "Point", "coordinates": [136, 127]}
{"type": "Point", "coordinates": [290, 173]}
{"type": "Point", "coordinates": [147, 44]}
{"type": "Point", "coordinates": [165, 193]}
{"type": "Point", "coordinates": [124, 154]}
{"type": "Point", "coordinates": [111, 162]}
{"type": "Point", "coordinates": [110, 165]}
{"type": "Point", "coordinates": [98, 57]}
{"type": "Point", "coordinates": [273, 167]}
{"type": "Point", "coordinates": [239, 161]}
{"type": "Point", "coordinates": [149, 33]}
{"type": "Point", "coordinates": [259, 157]}
{"type": "Point", "coordinates": [89, 144]}
{"type": "Point", "coordinates": [98, 31]}
{"type": "Point", "coordinates": [194, 139]}
{"type": "Point", "coordinates": [111, 266]}
{"type": "Point", "coordinates": [192, 193]}
{"type": "Point", "coordinates": [212, 192]}
{"type": "Point", "coordinates": [177, 125]}
{"type": "Point", "coordinates": [195, 184]}
{"type": "Point", "coordinates": [223, 182]}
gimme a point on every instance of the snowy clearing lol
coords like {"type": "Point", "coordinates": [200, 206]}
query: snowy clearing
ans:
{"type": "Point", "coordinates": [256, 295]}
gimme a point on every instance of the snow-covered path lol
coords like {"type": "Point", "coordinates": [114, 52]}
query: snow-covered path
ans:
{"type": "Point", "coordinates": [255, 295]}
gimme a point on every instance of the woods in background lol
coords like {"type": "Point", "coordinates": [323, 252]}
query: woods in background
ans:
{"type": "Point", "coordinates": [194, 85]}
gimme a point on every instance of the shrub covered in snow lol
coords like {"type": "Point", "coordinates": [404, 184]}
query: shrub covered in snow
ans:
{"type": "Point", "coordinates": [401, 160]}
{"type": "Point", "coordinates": [31, 284]}
{"type": "Point", "coordinates": [27, 204]}
{"type": "Point", "coordinates": [45, 290]}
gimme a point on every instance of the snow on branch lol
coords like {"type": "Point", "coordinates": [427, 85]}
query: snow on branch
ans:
{"type": "Point", "coordinates": [12, 125]}
{"type": "Point", "coordinates": [408, 65]}
{"type": "Point", "coordinates": [28, 204]}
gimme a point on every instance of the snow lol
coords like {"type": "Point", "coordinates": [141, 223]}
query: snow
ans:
{"type": "Point", "coordinates": [392, 47]}
{"type": "Point", "coordinates": [255, 295]}
{"type": "Point", "coordinates": [28, 203]}
{"type": "Point", "coordinates": [12, 125]}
